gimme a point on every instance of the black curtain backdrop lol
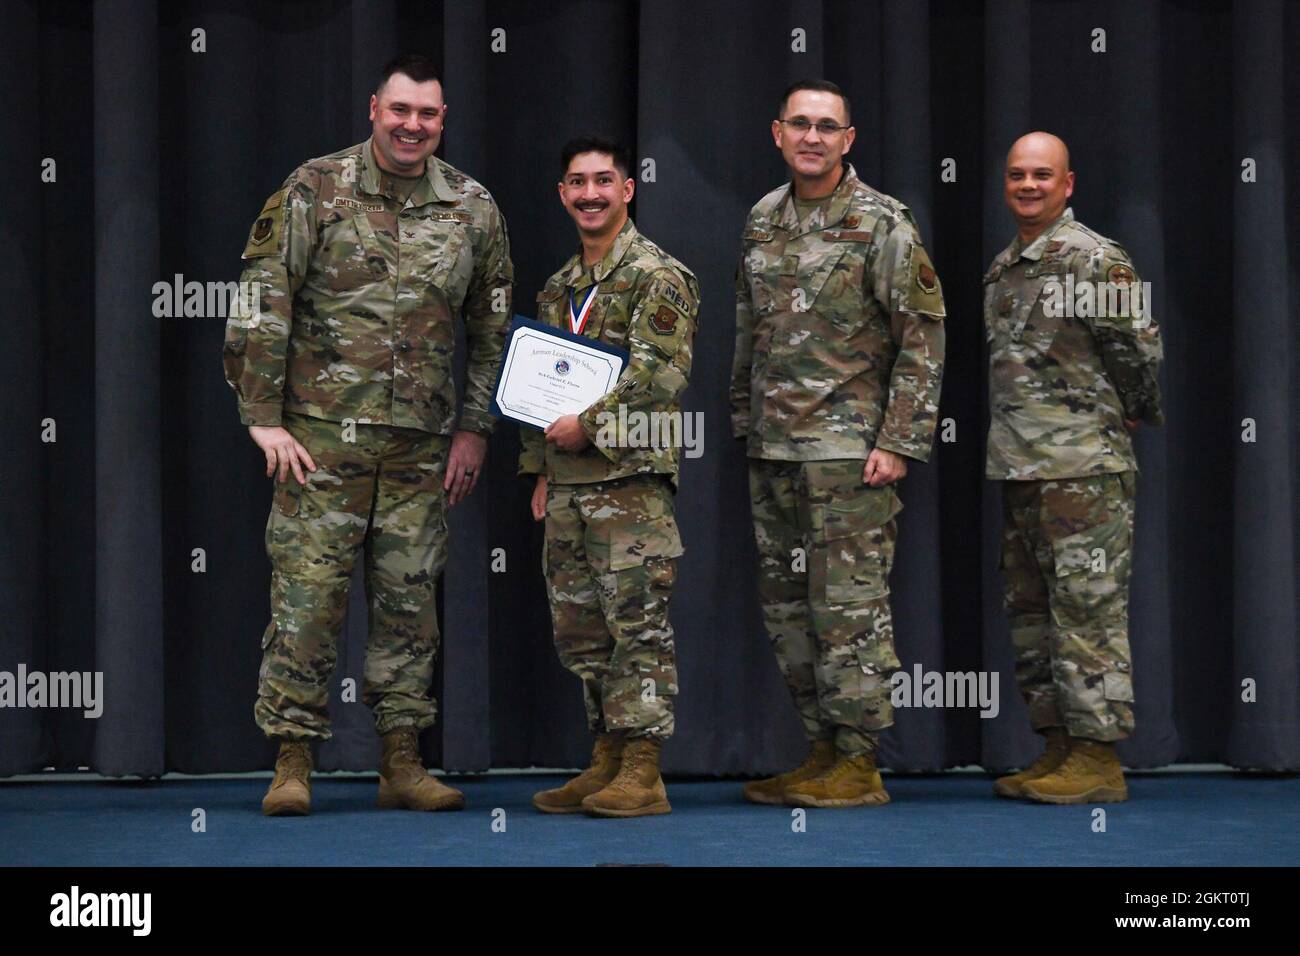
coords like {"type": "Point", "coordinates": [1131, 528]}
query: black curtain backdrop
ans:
{"type": "Point", "coordinates": [165, 154]}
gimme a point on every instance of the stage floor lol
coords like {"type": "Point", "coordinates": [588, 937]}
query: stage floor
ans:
{"type": "Point", "coordinates": [1171, 819]}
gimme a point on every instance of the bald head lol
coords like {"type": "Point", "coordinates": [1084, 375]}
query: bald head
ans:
{"type": "Point", "coordinates": [1038, 181]}
{"type": "Point", "coordinates": [1039, 147]}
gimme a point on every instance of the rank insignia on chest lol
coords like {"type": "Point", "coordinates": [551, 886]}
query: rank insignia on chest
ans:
{"type": "Point", "coordinates": [1004, 306]}
{"type": "Point", "coordinates": [850, 222]}
{"type": "Point", "coordinates": [664, 321]}
{"type": "Point", "coordinates": [1054, 246]}
{"type": "Point", "coordinates": [926, 279]}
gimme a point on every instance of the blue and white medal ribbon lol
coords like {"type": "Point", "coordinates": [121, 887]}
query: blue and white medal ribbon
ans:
{"type": "Point", "coordinates": [578, 314]}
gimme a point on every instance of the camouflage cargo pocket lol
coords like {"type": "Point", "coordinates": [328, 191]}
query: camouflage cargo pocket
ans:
{"type": "Point", "coordinates": [617, 547]}
{"type": "Point", "coordinates": [859, 545]}
{"type": "Point", "coordinates": [835, 288]}
{"type": "Point", "coordinates": [438, 249]}
{"type": "Point", "coordinates": [1088, 566]}
{"type": "Point", "coordinates": [1117, 686]}
{"type": "Point", "coordinates": [288, 497]}
{"type": "Point", "coordinates": [876, 655]}
{"type": "Point", "coordinates": [661, 573]}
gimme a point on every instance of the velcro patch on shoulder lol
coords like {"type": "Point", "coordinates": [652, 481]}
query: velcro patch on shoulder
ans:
{"type": "Point", "coordinates": [664, 320]}
{"type": "Point", "coordinates": [1119, 274]}
{"type": "Point", "coordinates": [921, 292]}
{"type": "Point", "coordinates": [926, 278]}
{"type": "Point", "coordinates": [670, 291]}
{"type": "Point", "coordinates": [264, 237]}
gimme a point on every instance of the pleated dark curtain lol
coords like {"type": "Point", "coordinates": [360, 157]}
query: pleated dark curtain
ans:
{"type": "Point", "coordinates": [164, 154]}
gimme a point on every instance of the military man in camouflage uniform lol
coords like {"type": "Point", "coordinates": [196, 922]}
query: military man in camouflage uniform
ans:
{"type": "Point", "coordinates": [1073, 355]}
{"type": "Point", "coordinates": [359, 264]}
{"type": "Point", "coordinates": [606, 496]}
{"type": "Point", "coordinates": [838, 363]}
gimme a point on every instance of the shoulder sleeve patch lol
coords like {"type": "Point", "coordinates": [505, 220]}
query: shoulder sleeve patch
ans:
{"type": "Point", "coordinates": [921, 291]}
{"type": "Point", "coordinates": [664, 320]}
{"type": "Point", "coordinates": [264, 239]}
{"type": "Point", "coordinates": [1119, 274]}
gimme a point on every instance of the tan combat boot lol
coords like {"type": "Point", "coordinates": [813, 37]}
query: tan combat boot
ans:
{"type": "Point", "coordinates": [637, 790]}
{"type": "Point", "coordinates": [772, 789]}
{"type": "Point", "coordinates": [606, 757]}
{"type": "Point", "coordinates": [403, 781]}
{"type": "Point", "coordinates": [1090, 774]}
{"type": "Point", "coordinates": [290, 792]}
{"type": "Point", "coordinates": [1058, 748]}
{"type": "Point", "coordinates": [852, 781]}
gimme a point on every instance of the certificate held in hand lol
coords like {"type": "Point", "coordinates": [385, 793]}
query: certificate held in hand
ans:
{"type": "Point", "coordinates": [547, 373]}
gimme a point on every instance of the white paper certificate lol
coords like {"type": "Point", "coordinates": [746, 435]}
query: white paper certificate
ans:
{"type": "Point", "coordinates": [547, 374]}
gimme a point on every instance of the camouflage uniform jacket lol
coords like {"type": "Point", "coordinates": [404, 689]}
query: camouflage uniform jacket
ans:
{"type": "Point", "coordinates": [647, 303]}
{"type": "Point", "coordinates": [358, 295]}
{"type": "Point", "coordinates": [1060, 386]}
{"type": "Point", "coordinates": [839, 338]}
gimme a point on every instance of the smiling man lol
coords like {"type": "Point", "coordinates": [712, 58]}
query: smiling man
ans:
{"type": "Point", "coordinates": [361, 262]}
{"type": "Point", "coordinates": [611, 538]}
{"type": "Point", "coordinates": [838, 362]}
{"type": "Point", "coordinates": [1067, 386]}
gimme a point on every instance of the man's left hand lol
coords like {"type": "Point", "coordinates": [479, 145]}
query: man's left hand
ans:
{"type": "Point", "coordinates": [464, 464]}
{"type": "Point", "coordinates": [567, 434]}
{"type": "Point", "coordinates": [883, 468]}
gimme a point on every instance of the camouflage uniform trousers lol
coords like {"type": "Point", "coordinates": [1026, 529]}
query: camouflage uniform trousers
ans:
{"type": "Point", "coordinates": [1066, 556]}
{"type": "Point", "coordinates": [380, 495]}
{"type": "Point", "coordinates": [609, 565]}
{"type": "Point", "coordinates": [826, 608]}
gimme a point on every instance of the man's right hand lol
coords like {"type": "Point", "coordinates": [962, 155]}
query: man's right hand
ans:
{"type": "Point", "coordinates": [283, 452]}
{"type": "Point", "coordinates": [539, 499]}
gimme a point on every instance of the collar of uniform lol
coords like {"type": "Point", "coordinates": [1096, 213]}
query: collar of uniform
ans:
{"type": "Point", "coordinates": [433, 185]}
{"type": "Point", "coordinates": [788, 217]}
{"type": "Point", "coordinates": [370, 172]}
{"type": "Point", "coordinates": [580, 278]}
{"type": "Point", "coordinates": [436, 181]}
{"type": "Point", "coordinates": [1034, 251]}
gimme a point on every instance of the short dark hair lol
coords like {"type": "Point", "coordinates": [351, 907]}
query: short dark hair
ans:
{"type": "Point", "coordinates": [825, 86]}
{"type": "Point", "coordinates": [595, 144]}
{"type": "Point", "coordinates": [418, 67]}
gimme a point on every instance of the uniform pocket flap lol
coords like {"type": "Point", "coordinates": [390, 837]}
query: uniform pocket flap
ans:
{"type": "Point", "coordinates": [861, 513]}
{"type": "Point", "coordinates": [1116, 685]}
{"type": "Point", "coordinates": [619, 547]}
{"type": "Point", "coordinates": [288, 497]}
{"type": "Point", "coordinates": [1091, 551]}
{"type": "Point", "coordinates": [877, 657]}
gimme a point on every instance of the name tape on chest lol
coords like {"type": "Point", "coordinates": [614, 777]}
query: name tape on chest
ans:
{"type": "Point", "coordinates": [346, 203]}
{"type": "Point", "coordinates": [451, 215]}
